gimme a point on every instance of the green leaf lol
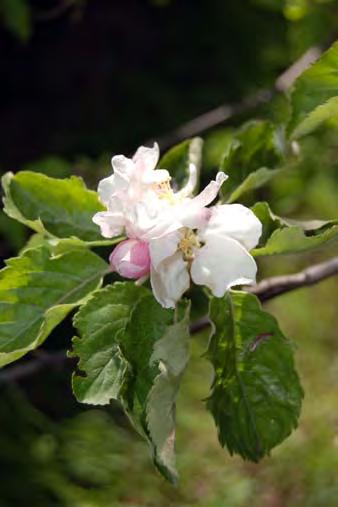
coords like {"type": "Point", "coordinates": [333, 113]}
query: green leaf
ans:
{"type": "Point", "coordinates": [256, 395]}
{"type": "Point", "coordinates": [156, 345]}
{"type": "Point", "coordinates": [178, 158]}
{"type": "Point", "coordinates": [16, 16]}
{"type": "Point", "coordinates": [282, 236]}
{"type": "Point", "coordinates": [269, 220]}
{"type": "Point", "coordinates": [37, 291]}
{"type": "Point", "coordinates": [215, 145]}
{"type": "Point", "coordinates": [59, 246]}
{"type": "Point", "coordinates": [62, 207]}
{"type": "Point", "coordinates": [314, 96]}
{"type": "Point", "coordinates": [252, 158]}
{"type": "Point", "coordinates": [99, 323]}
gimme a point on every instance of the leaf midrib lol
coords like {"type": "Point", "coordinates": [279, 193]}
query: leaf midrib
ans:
{"type": "Point", "coordinates": [241, 384]}
{"type": "Point", "coordinates": [59, 302]}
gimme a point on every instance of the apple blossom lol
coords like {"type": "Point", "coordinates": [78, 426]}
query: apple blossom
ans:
{"type": "Point", "coordinates": [173, 236]}
{"type": "Point", "coordinates": [125, 189]}
{"type": "Point", "coordinates": [216, 255]}
{"type": "Point", "coordinates": [141, 203]}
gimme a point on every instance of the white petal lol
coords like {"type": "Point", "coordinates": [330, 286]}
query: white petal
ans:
{"type": "Point", "coordinates": [123, 166]}
{"type": "Point", "coordinates": [170, 281]}
{"type": "Point", "coordinates": [191, 184]}
{"type": "Point", "coordinates": [235, 221]}
{"type": "Point", "coordinates": [147, 158]}
{"type": "Point", "coordinates": [191, 215]}
{"type": "Point", "coordinates": [156, 176]}
{"type": "Point", "coordinates": [111, 224]}
{"type": "Point", "coordinates": [142, 217]}
{"type": "Point", "coordinates": [222, 263]}
{"type": "Point", "coordinates": [211, 190]}
{"type": "Point", "coordinates": [106, 189]}
{"type": "Point", "coordinates": [164, 247]}
{"type": "Point", "coordinates": [118, 182]}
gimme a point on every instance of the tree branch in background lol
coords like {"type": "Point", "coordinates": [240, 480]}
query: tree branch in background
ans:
{"type": "Point", "coordinates": [264, 290]}
{"type": "Point", "coordinates": [275, 286]}
{"type": "Point", "coordinates": [272, 287]}
{"type": "Point", "coordinates": [225, 112]}
{"type": "Point", "coordinates": [41, 360]}
{"type": "Point", "coordinates": [56, 12]}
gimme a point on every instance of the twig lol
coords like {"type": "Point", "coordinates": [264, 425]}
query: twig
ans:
{"type": "Point", "coordinates": [55, 12]}
{"type": "Point", "coordinates": [272, 287]}
{"type": "Point", "coordinates": [275, 286]}
{"type": "Point", "coordinates": [225, 112]}
{"type": "Point", "coordinates": [42, 360]}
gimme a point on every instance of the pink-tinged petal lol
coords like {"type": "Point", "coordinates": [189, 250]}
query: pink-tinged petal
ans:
{"type": "Point", "coordinates": [146, 158]}
{"type": "Point", "coordinates": [164, 247]}
{"type": "Point", "coordinates": [234, 221]}
{"type": "Point", "coordinates": [221, 264]}
{"type": "Point", "coordinates": [123, 167]}
{"type": "Point", "coordinates": [193, 216]}
{"type": "Point", "coordinates": [170, 281]}
{"type": "Point", "coordinates": [210, 192]}
{"type": "Point", "coordinates": [110, 223]}
{"type": "Point", "coordinates": [131, 259]}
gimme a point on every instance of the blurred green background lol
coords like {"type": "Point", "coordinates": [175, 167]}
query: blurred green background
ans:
{"type": "Point", "coordinates": [82, 80]}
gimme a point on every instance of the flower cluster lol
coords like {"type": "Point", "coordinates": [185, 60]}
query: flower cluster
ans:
{"type": "Point", "coordinates": [173, 236]}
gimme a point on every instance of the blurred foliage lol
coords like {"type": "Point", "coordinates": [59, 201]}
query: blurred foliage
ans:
{"type": "Point", "coordinates": [123, 73]}
{"type": "Point", "coordinates": [16, 17]}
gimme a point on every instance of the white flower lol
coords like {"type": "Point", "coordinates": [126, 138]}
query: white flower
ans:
{"type": "Point", "coordinates": [141, 203]}
{"type": "Point", "coordinates": [216, 255]}
{"type": "Point", "coordinates": [126, 187]}
{"type": "Point", "coordinates": [173, 234]}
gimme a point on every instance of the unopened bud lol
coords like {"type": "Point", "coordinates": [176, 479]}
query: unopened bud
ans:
{"type": "Point", "coordinates": [131, 259]}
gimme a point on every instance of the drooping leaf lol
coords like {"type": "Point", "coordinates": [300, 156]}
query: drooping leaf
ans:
{"type": "Point", "coordinates": [99, 323]}
{"type": "Point", "coordinates": [37, 291]}
{"type": "Point", "coordinates": [252, 158]}
{"type": "Point", "coordinates": [62, 207]}
{"type": "Point", "coordinates": [16, 16]}
{"type": "Point", "coordinates": [256, 395]}
{"type": "Point", "coordinates": [156, 345]}
{"type": "Point", "coordinates": [177, 160]}
{"type": "Point", "coordinates": [283, 236]}
{"type": "Point", "coordinates": [314, 97]}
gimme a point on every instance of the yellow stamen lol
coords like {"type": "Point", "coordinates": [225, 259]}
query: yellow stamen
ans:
{"type": "Point", "coordinates": [164, 190]}
{"type": "Point", "coordinates": [188, 244]}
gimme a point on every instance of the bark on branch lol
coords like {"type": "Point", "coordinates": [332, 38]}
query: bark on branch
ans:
{"type": "Point", "coordinates": [275, 286]}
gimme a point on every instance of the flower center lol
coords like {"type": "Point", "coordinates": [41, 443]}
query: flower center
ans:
{"type": "Point", "coordinates": [188, 243]}
{"type": "Point", "coordinates": [164, 191]}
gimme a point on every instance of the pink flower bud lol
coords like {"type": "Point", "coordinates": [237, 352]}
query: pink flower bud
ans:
{"type": "Point", "coordinates": [131, 259]}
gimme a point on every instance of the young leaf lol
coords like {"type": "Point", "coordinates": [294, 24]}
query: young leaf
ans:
{"type": "Point", "coordinates": [281, 236]}
{"type": "Point", "coordinates": [252, 158]}
{"type": "Point", "coordinates": [62, 207]}
{"type": "Point", "coordinates": [37, 291]}
{"type": "Point", "coordinates": [99, 322]}
{"type": "Point", "coordinates": [314, 97]}
{"type": "Point", "coordinates": [156, 345]}
{"type": "Point", "coordinates": [256, 395]}
{"type": "Point", "coordinates": [178, 159]}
